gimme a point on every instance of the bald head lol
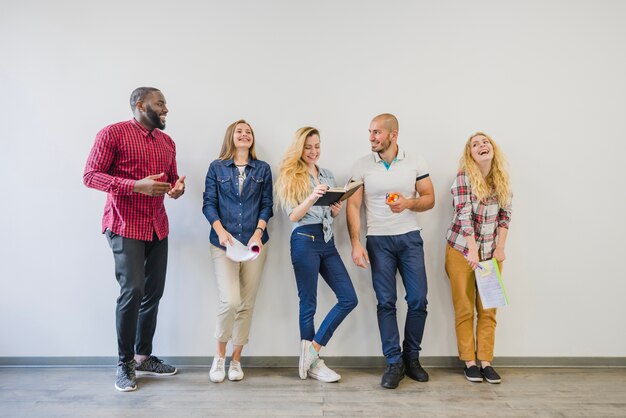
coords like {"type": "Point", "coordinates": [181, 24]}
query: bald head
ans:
{"type": "Point", "coordinates": [390, 121]}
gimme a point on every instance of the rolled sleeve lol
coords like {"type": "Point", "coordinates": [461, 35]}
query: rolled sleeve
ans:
{"type": "Point", "coordinates": [209, 197]}
{"type": "Point", "coordinates": [98, 165]}
{"type": "Point", "coordinates": [462, 200]}
{"type": "Point", "coordinates": [267, 201]}
{"type": "Point", "coordinates": [504, 215]}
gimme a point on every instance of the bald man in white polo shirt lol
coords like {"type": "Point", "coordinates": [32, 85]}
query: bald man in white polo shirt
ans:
{"type": "Point", "coordinates": [397, 185]}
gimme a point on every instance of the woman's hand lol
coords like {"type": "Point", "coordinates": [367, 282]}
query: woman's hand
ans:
{"type": "Point", "coordinates": [318, 191]}
{"type": "Point", "coordinates": [224, 237]}
{"type": "Point", "coordinates": [256, 238]}
{"type": "Point", "coordinates": [472, 258]}
{"type": "Point", "coordinates": [499, 255]}
{"type": "Point", "coordinates": [335, 208]}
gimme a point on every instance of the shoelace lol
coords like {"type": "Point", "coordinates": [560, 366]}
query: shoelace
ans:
{"type": "Point", "coordinates": [220, 365]}
{"type": "Point", "coordinates": [395, 369]}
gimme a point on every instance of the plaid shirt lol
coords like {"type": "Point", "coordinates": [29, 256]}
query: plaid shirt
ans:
{"type": "Point", "coordinates": [471, 217]}
{"type": "Point", "coordinates": [123, 153]}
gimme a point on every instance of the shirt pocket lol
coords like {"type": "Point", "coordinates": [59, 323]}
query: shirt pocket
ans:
{"type": "Point", "coordinates": [223, 183]}
{"type": "Point", "coordinates": [256, 185]}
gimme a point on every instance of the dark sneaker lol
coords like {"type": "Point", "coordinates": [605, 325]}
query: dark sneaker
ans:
{"type": "Point", "coordinates": [415, 371]}
{"type": "Point", "coordinates": [393, 375]}
{"type": "Point", "coordinates": [472, 373]}
{"type": "Point", "coordinates": [154, 366]}
{"type": "Point", "coordinates": [125, 376]}
{"type": "Point", "coordinates": [490, 374]}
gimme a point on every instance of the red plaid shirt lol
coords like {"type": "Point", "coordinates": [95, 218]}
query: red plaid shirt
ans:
{"type": "Point", "coordinates": [123, 153]}
{"type": "Point", "coordinates": [472, 217]}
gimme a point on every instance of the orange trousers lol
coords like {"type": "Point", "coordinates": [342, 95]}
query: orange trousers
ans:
{"type": "Point", "coordinates": [465, 298]}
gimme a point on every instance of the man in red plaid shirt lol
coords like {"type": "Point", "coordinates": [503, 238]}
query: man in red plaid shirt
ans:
{"type": "Point", "coordinates": [134, 162]}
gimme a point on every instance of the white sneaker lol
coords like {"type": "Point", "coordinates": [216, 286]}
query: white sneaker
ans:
{"type": "Point", "coordinates": [218, 371]}
{"type": "Point", "coordinates": [306, 358]}
{"type": "Point", "coordinates": [322, 373]}
{"type": "Point", "coordinates": [234, 371]}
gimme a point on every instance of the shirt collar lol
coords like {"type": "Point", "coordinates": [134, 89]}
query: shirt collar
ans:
{"type": "Point", "coordinates": [400, 156]}
{"type": "Point", "coordinates": [142, 128]}
{"type": "Point", "coordinates": [251, 162]}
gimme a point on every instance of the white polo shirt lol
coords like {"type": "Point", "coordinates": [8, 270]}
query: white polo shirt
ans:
{"type": "Point", "coordinates": [379, 180]}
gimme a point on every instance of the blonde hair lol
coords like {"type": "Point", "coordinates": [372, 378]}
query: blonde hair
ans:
{"type": "Point", "coordinates": [228, 146]}
{"type": "Point", "coordinates": [496, 182]}
{"type": "Point", "coordinates": [293, 185]}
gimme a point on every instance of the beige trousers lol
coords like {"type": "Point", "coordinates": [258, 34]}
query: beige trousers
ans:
{"type": "Point", "coordinates": [237, 284]}
{"type": "Point", "coordinates": [465, 299]}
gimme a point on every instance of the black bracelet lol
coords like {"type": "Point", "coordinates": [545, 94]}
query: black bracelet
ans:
{"type": "Point", "coordinates": [260, 229]}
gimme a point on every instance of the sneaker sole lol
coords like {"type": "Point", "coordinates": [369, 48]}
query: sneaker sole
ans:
{"type": "Point", "coordinates": [236, 379]}
{"type": "Point", "coordinates": [146, 373]}
{"type": "Point", "coordinates": [411, 376]}
{"type": "Point", "coordinates": [493, 382]}
{"type": "Point", "coordinates": [128, 389]}
{"type": "Point", "coordinates": [301, 371]}
{"type": "Point", "coordinates": [324, 379]}
{"type": "Point", "coordinates": [474, 379]}
{"type": "Point", "coordinates": [217, 380]}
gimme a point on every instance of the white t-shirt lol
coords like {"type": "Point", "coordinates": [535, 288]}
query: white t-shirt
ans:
{"type": "Point", "coordinates": [401, 176]}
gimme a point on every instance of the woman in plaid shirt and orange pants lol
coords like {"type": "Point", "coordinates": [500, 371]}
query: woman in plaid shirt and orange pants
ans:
{"type": "Point", "coordinates": [482, 211]}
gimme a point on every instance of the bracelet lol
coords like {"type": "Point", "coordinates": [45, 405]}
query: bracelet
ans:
{"type": "Point", "coordinates": [260, 229]}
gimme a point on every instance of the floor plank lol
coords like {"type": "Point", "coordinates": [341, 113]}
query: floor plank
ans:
{"type": "Point", "coordinates": [525, 392]}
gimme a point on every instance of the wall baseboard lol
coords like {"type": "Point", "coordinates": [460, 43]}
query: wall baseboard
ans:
{"type": "Point", "coordinates": [341, 361]}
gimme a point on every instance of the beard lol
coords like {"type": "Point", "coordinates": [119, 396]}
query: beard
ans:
{"type": "Point", "coordinates": [154, 118]}
{"type": "Point", "coordinates": [383, 146]}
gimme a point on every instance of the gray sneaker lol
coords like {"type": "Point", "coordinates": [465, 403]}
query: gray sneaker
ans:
{"type": "Point", "coordinates": [125, 376]}
{"type": "Point", "coordinates": [154, 366]}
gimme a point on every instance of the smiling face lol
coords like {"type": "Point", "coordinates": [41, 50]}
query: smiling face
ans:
{"type": "Point", "coordinates": [481, 149]}
{"type": "Point", "coordinates": [242, 136]}
{"type": "Point", "coordinates": [153, 109]}
{"type": "Point", "coordinates": [311, 149]}
{"type": "Point", "coordinates": [380, 136]}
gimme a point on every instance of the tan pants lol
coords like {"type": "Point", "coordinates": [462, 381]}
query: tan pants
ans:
{"type": "Point", "coordinates": [237, 284]}
{"type": "Point", "coordinates": [465, 298]}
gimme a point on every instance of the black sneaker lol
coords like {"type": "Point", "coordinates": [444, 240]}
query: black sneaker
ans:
{"type": "Point", "coordinates": [415, 371]}
{"type": "Point", "coordinates": [125, 380]}
{"type": "Point", "coordinates": [154, 366]}
{"type": "Point", "coordinates": [490, 374]}
{"type": "Point", "coordinates": [472, 373]}
{"type": "Point", "coordinates": [393, 375]}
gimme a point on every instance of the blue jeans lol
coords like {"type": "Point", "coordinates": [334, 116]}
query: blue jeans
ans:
{"type": "Point", "coordinates": [404, 253]}
{"type": "Point", "coordinates": [311, 256]}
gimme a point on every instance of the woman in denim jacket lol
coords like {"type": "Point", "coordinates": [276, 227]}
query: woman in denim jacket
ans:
{"type": "Point", "coordinates": [238, 205]}
{"type": "Point", "coordinates": [300, 183]}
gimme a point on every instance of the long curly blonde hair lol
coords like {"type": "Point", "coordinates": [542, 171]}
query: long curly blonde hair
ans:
{"type": "Point", "coordinates": [496, 182]}
{"type": "Point", "coordinates": [293, 185]}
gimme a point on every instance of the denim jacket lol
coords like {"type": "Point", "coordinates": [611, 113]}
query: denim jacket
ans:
{"type": "Point", "coordinates": [239, 214]}
{"type": "Point", "coordinates": [318, 214]}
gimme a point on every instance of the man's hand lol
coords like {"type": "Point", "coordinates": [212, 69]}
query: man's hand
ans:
{"type": "Point", "coordinates": [151, 187]}
{"type": "Point", "coordinates": [178, 189]}
{"type": "Point", "coordinates": [359, 255]}
{"type": "Point", "coordinates": [398, 204]}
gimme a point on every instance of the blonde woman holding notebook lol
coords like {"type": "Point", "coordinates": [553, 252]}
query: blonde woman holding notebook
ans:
{"type": "Point", "coordinates": [300, 184]}
{"type": "Point", "coordinates": [481, 196]}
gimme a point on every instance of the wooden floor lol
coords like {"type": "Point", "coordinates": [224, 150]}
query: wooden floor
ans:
{"type": "Point", "coordinates": [525, 392]}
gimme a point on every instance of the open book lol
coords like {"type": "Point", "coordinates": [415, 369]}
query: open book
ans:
{"type": "Point", "coordinates": [337, 194]}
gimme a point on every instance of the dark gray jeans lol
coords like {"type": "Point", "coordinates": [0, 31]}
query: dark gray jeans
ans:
{"type": "Point", "coordinates": [140, 268]}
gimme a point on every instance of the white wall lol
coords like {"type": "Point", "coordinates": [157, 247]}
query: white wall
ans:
{"type": "Point", "coordinates": [545, 79]}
